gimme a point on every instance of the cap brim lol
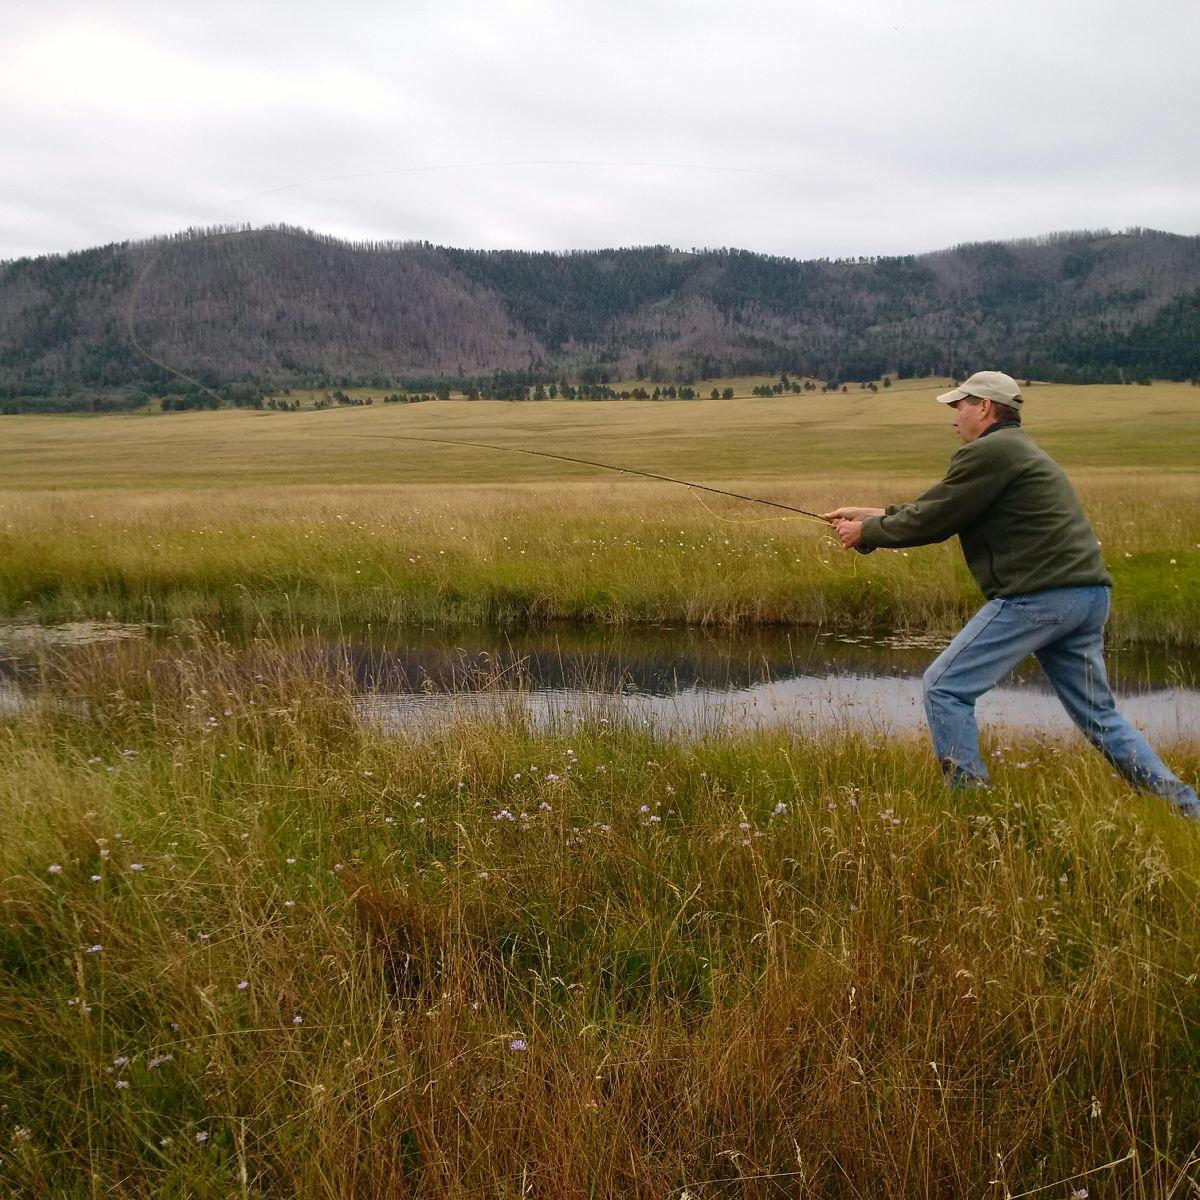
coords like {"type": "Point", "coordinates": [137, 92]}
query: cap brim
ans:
{"type": "Point", "coordinates": [950, 397]}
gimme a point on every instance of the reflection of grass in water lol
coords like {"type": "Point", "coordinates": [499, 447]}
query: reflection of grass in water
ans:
{"type": "Point", "coordinates": [30, 634]}
{"type": "Point", "coordinates": [743, 956]}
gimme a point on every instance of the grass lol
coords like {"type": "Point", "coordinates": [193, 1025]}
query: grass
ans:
{"type": "Point", "coordinates": [894, 434]}
{"type": "Point", "coordinates": [751, 966]}
{"type": "Point", "coordinates": [320, 516]}
{"type": "Point", "coordinates": [494, 961]}
{"type": "Point", "coordinates": [506, 554]}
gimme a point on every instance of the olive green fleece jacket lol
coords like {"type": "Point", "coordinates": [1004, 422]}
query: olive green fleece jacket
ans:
{"type": "Point", "coordinates": [1020, 524]}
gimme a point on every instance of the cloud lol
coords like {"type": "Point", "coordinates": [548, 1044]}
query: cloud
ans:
{"type": "Point", "coordinates": [856, 127]}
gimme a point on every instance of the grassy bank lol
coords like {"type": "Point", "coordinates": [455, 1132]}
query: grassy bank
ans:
{"type": "Point", "coordinates": [320, 515]}
{"type": "Point", "coordinates": [506, 554]}
{"type": "Point", "coordinates": [250, 947]}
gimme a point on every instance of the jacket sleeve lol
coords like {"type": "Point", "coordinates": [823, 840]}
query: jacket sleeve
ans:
{"type": "Point", "coordinates": [973, 482]}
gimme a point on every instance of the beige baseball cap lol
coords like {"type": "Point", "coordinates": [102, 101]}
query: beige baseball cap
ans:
{"type": "Point", "coordinates": [987, 385]}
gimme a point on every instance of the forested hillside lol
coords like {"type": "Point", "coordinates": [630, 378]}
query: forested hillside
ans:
{"type": "Point", "coordinates": [282, 306]}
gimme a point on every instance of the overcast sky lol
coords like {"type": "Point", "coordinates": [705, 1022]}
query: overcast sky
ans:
{"type": "Point", "coordinates": [805, 128]}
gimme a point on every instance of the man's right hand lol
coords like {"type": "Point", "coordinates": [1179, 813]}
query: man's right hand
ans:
{"type": "Point", "coordinates": [852, 514]}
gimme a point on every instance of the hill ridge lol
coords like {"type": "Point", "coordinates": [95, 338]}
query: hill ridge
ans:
{"type": "Point", "coordinates": [283, 305]}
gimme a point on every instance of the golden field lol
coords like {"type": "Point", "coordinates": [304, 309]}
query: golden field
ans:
{"type": "Point", "coordinates": [315, 514]}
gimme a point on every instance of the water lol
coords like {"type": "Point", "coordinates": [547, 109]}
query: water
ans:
{"type": "Point", "coordinates": [685, 682]}
{"type": "Point", "coordinates": [679, 681]}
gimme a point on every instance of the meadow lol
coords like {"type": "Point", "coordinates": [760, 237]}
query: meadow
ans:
{"type": "Point", "coordinates": [253, 946]}
{"type": "Point", "coordinates": [327, 515]}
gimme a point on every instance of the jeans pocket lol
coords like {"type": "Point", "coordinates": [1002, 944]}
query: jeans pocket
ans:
{"type": "Point", "coordinates": [1043, 610]}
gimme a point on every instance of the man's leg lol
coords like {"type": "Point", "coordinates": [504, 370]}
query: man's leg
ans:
{"type": "Point", "coordinates": [1074, 664]}
{"type": "Point", "coordinates": [991, 643]}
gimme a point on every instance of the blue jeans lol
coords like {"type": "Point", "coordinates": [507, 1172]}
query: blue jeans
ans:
{"type": "Point", "coordinates": [1064, 628]}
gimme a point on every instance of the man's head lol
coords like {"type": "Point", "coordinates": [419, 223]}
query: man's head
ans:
{"type": "Point", "coordinates": [981, 401]}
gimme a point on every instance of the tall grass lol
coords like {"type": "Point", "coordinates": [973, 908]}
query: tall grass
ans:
{"type": "Point", "coordinates": [523, 554]}
{"type": "Point", "coordinates": [250, 946]}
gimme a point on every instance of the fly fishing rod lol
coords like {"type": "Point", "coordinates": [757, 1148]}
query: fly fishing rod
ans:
{"type": "Point", "coordinates": [588, 462]}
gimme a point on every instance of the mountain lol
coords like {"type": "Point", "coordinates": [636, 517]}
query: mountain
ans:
{"type": "Point", "coordinates": [280, 305]}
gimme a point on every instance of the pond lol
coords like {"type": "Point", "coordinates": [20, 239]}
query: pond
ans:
{"type": "Point", "coordinates": [676, 681]}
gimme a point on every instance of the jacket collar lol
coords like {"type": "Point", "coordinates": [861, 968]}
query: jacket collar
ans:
{"type": "Point", "coordinates": [1005, 423]}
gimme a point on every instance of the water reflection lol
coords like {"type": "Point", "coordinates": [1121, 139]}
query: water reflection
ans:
{"type": "Point", "coordinates": [674, 680]}
{"type": "Point", "coordinates": [679, 681]}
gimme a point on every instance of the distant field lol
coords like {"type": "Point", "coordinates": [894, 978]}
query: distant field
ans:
{"type": "Point", "coordinates": [898, 431]}
{"type": "Point", "coordinates": [317, 513]}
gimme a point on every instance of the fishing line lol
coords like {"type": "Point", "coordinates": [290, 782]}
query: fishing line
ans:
{"type": "Point", "coordinates": [694, 488]}
{"type": "Point", "coordinates": [716, 516]}
{"type": "Point", "coordinates": [589, 462]}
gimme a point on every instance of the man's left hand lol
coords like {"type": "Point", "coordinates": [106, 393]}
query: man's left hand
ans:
{"type": "Point", "coordinates": [850, 533]}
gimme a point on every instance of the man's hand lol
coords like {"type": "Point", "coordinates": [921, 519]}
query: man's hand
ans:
{"type": "Point", "coordinates": [852, 514]}
{"type": "Point", "coordinates": [850, 533]}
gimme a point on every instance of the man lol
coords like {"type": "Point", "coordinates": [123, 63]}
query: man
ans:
{"type": "Point", "coordinates": [1034, 556]}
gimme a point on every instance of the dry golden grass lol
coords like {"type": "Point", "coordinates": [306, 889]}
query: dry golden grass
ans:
{"type": "Point", "coordinates": [250, 947]}
{"type": "Point", "coordinates": [896, 433]}
{"type": "Point", "coordinates": [612, 551]}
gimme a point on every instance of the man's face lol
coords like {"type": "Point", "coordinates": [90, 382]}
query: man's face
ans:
{"type": "Point", "coordinates": [970, 420]}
